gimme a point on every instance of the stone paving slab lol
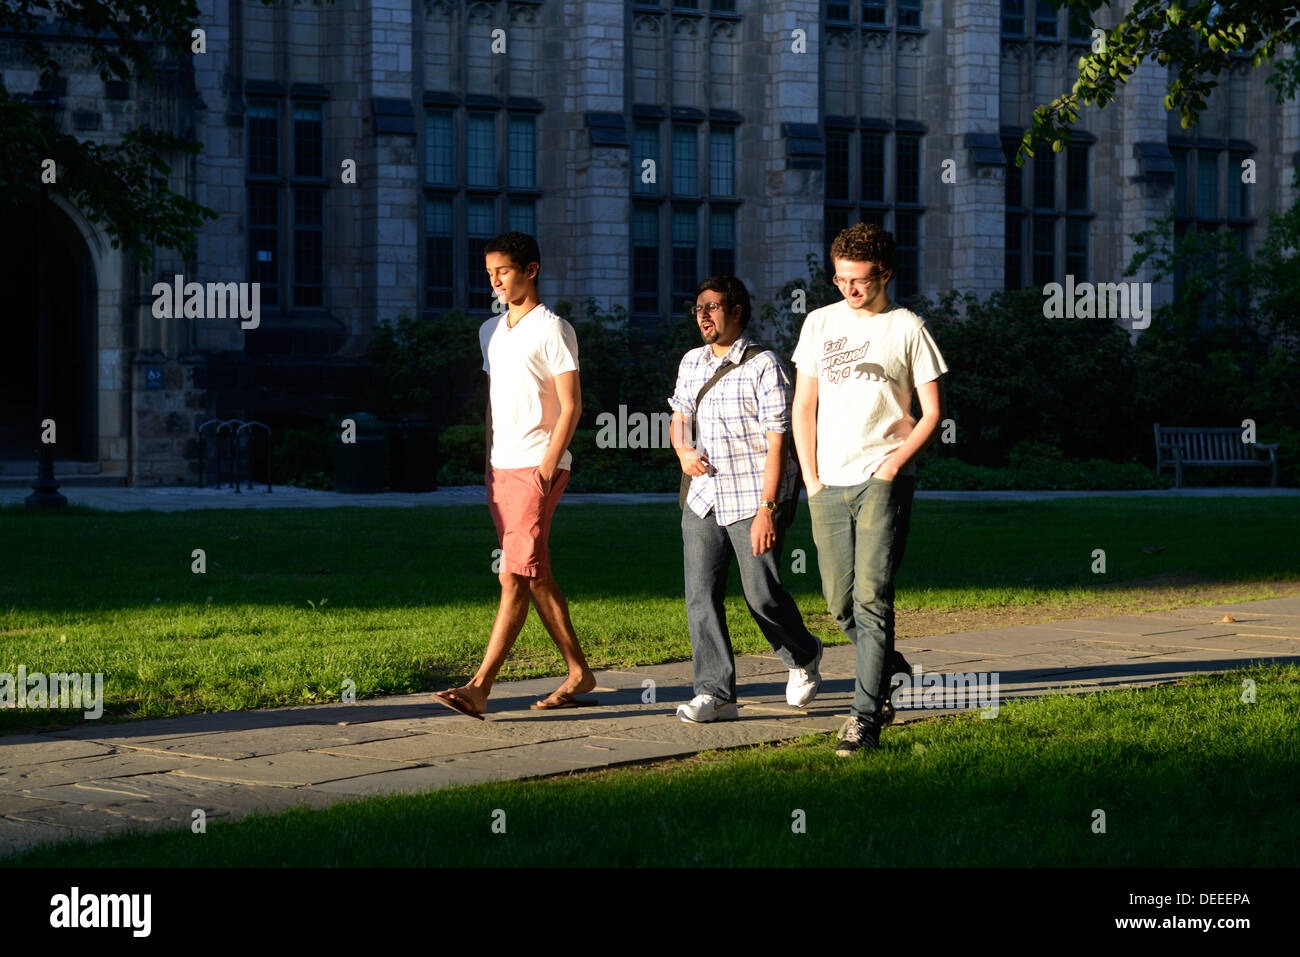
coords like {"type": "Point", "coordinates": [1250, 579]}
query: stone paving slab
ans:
{"type": "Point", "coordinates": [619, 681]}
{"type": "Point", "coordinates": [410, 781]}
{"type": "Point", "coordinates": [323, 715]}
{"type": "Point", "coordinates": [1210, 660]}
{"type": "Point", "coordinates": [258, 742]}
{"type": "Point", "coordinates": [1270, 647]}
{"type": "Point", "coordinates": [414, 748]}
{"type": "Point", "coordinates": [1135, 625]}
{"type": "Point", "coordinates": [1192, 634]}
{"type": "Point", "coordinates": [289, 770]}
{"type": "Point", "coordinates": [18, 804]}
{"type": "Point", "coordinates": [663, 674]}
{"type": "Point", "coordinates": [1123, 647]}
{"type": "Point", "coordinates": [573, 754]}
{"type": "Point", "coordinates": [749, 729]}
{"type": "Point", "coordinates": [751, 666]}
{"type": "Point", "coordinates": [817, 722]}
{"type": "Point", "coordinates": [1283, 632]}
{"type": "Point", "coordinates": [90, 810]}
{"type": "Point", "coordinates": [113, 815]}
{"type": "Point", "coordinates": [400, 727]}
{"type": "Point", "coordinates": [930, 659]}
{"type": "Point", "coordinates": [1232, 645]}
{"type": "Point", "coordinates": [98, 779]}
{"type": "Point", "coordinates": [992, 637]}
{"type": "Point", "coordinates": [120, 764]}
{"type": "Point", "coordinates": [17, 750]}
{"type": "Point", "coordinates": [511, 728]}
{"type": "Point", "coordinates": [216, 798]}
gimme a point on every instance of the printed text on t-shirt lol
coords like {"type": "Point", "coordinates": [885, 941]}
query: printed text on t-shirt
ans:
{"type": "Point", "coordinates": [837, 359]}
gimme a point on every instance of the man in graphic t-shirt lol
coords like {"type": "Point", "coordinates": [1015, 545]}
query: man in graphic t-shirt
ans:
{"type": "Point", "coordinates": [531, 357]}
{"type": "Point", "coordinates": [857, 363]}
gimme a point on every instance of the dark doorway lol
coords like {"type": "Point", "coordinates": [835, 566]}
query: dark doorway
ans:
{"type": "Point", "coordinates": [72, 310]}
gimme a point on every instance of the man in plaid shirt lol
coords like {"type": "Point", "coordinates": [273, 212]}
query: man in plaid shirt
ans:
{"type": "Point", "coordinates": [741, 500]}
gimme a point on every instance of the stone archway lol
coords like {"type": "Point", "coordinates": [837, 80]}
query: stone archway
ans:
{"type": "Point", "coordinates": [74, 308]}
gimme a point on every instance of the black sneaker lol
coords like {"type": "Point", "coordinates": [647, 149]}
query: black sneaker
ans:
{"type": "Point", "coordinates": [895, 664]}
{"type": "Point", "coordinates": [855, 735]}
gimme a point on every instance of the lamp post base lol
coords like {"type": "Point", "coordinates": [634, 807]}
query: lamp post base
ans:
{"type": "Point", "coordinates": [46, 495]}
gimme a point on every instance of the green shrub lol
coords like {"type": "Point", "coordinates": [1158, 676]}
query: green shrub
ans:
{"type": "Point", "coordinates": [1035, 466]}
{"type": "Point", "coordinates": [305, 457]}
{"type": "Point", "coordinates": [594, 469]}
{"type": "Point", "coordinates": [1017, 376]}
{"type": "Point", "coordinates": [449, 475]}
{"type": "Point", "coordinates": [1288, 456]}
{"type": "Point", "coordinates": [620, 470]}
{"type": "Point", "coordinates": [623, 363]}
{"type": "Point", "coordinates": [1224, 349]}
{"type": "Point", "coordinates": [463, 448]}
{"type": "Point", "coordinates": [430, 367]}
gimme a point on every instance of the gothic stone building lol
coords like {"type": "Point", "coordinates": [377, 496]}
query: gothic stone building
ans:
{"type": "Point", "coordinates": [647, 144]}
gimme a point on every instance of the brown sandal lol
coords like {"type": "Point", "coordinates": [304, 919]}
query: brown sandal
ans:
{"type": "Point", "coordinates": [456, 703]}
{"type": "Point", "coordinates": [559, 699]}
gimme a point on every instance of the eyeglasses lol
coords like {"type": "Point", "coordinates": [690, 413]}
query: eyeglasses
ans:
{"type": "Point", "coordinates": [857, 285]}
{"type": "Point", "coordinates": [708, 308]}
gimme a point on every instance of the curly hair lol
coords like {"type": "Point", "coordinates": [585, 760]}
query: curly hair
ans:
{"type": "Point", "coordinates": [866, 243]}
{"type": "Point", "coordinates": [733, 294]}
{"type": "Point", "coordinates": [521, 248]}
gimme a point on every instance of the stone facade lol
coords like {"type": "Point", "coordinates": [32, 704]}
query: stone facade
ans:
{"type": "Point", "coordinates": [771, 72]}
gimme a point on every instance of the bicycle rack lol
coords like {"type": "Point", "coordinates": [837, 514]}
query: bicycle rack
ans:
{"type": "Point", "coordinates": [227, 433]}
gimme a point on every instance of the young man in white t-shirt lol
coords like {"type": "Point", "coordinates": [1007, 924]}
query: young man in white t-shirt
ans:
{"type": "Point", "coordinates": [858, 362]}
{"type": "Point", "coordinates": [531, 357]}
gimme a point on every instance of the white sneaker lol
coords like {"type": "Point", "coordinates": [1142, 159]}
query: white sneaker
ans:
{"type": "Point", "coordinates": [804, 682]}
{"type": "Point", "coordinates": [705, 707]}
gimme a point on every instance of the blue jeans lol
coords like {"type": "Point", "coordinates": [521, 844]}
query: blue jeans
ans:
{"type": "Point", "coordinates": [707, 550]}
{"type": "Point", "coordinates": [861, 531]}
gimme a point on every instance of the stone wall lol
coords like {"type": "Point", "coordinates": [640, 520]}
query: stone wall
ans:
{"type": "Point", "coordinates": [959, 76]}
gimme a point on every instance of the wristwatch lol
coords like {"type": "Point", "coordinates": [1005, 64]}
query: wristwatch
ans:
{"type": "Point", "coordinates": [770, 506]}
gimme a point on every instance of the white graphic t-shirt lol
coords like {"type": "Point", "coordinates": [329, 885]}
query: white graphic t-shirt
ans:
{"type": "Point", "coordinates": [523, 363]}
{"type": "Point", "coordinates": [866, 369]}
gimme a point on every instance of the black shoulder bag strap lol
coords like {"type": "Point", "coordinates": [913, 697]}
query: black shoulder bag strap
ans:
{"type": "Point", "coordinates": [751, 350]}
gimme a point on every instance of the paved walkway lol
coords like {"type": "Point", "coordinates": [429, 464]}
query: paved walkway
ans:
{"type": "Point", "coordinates": [107, 778]}
{"type": "Point", "coordinates": [180, 498]}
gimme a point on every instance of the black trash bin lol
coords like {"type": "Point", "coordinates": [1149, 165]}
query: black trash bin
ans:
{"type": "Point", "coordinates": [413, 455]}
{"type": "Point", "coordinates": [360, 466]}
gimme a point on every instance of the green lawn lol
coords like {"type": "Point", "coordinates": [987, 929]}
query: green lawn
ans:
{"type": "Point", "coordinates": [294, 602]}
{"type": "Point", "coordinates": [1186, 775]}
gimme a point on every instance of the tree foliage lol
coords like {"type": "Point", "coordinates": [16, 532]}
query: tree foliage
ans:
{"type": "Point", "coordinates": [428, 367]}
{"type": "Point", "coordinates": [1200, 40]}
{"type": "Point", "coordinates": [125, 186]}
{"type": "Point", "coordinates": [779, 321]}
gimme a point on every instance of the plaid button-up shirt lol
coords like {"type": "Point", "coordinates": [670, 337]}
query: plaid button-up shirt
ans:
{"type": "Point", "coordinates": [730, 427]}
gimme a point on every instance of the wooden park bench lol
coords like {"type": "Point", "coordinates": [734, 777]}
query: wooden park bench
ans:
{"type": "Point", "coordinates": [1210, 446]}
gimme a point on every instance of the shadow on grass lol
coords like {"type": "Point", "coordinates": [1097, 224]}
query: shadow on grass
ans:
{"type": "Point", "coordinates": [377, 558]}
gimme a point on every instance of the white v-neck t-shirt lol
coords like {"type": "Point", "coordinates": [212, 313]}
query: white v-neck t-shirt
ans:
{"type": "Point", "coordinates": [522, 363]}
{"type": "Point", "coordinates": [866, 369]}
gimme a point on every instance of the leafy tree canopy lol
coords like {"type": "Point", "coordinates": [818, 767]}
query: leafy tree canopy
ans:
{"type": "Point", "coordinates": [1200, 40]}
{"type": "Point", "coordinates": [125, 185]}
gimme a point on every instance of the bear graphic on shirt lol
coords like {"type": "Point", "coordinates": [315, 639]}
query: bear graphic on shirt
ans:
{"type": "Point", "coordinates": [871, 371]}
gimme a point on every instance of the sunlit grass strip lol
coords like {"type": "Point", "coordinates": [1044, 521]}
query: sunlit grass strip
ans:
{"type": "Point", "coordinates": [293, 603]}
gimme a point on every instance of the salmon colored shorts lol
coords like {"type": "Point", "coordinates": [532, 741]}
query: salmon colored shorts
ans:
{"type": "Point", "coordinates": [522, 515]}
